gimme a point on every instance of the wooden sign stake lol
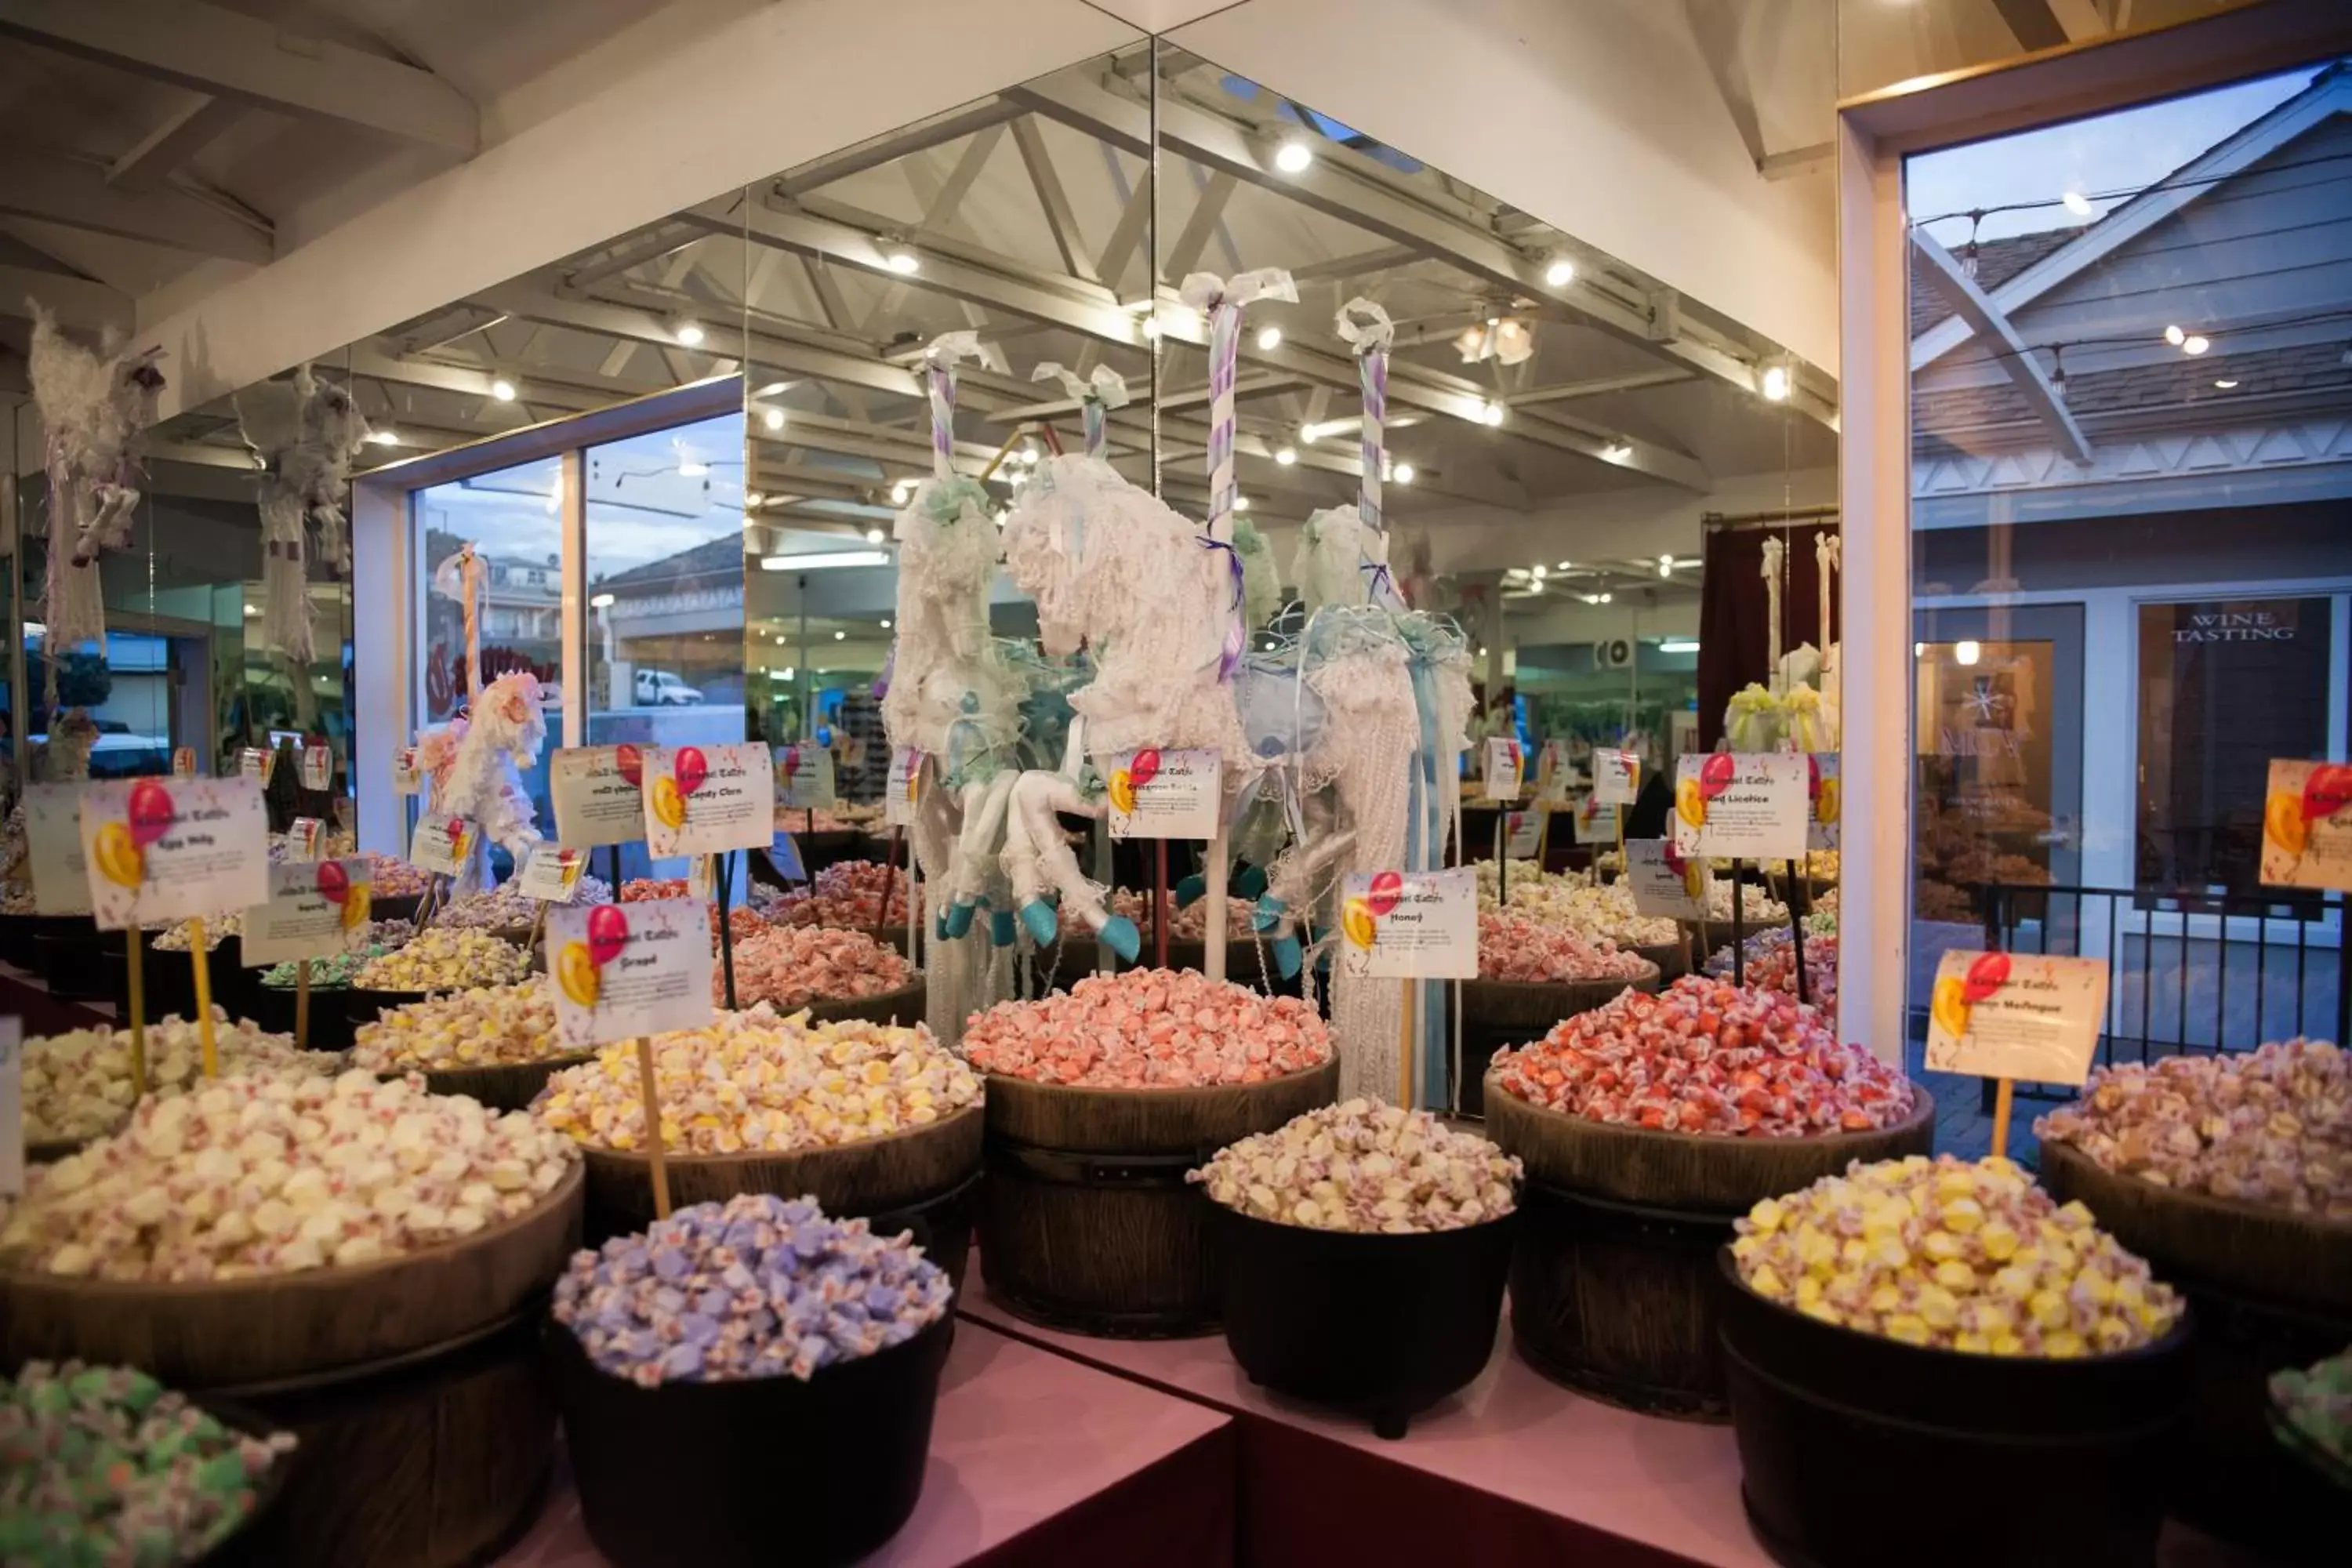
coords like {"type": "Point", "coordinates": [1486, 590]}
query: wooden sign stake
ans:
{"type": "Point", "coordinates": [1738, 929]}
{"type": "Point", "coordinates": [1797, 932]}
{"type": "Point", "coordinates": [302, 1006]}
{"type": "Point", "coordinates": [137, 957]}
{"type": "Point", "coordinates": [721, 877]}
{"type": "Point", "coordinates": [202, 954]}
{"type": "Point", "coordinates": [2003, 1090]}
{"type": "Point", "coordinates": [653, 1126]}
{"type": "Point", "coordinates": [1404, 1046]}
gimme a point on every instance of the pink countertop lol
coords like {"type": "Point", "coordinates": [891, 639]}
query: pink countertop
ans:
{"type": "Point", "coordinates": [1672, 1486]}
{"type": "Point", "coordinates": [1021, 1436]}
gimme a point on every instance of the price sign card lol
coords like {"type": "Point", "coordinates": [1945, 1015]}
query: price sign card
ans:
{"type": "Point", "coordinates": [906, 782]}
{"type": "Point", "coordinates": [2307, 825]}
{"type": "Point", "coordinates": [1595, 822]}
{"type": "Point", "coordinates": [1741, 805]}
{"type": "Point", "coordinates": [626, 969]}
{"type": "Point", "coordinates": [705, 800]}
{"type": "Point", "coordinates": [1503, 763]}
{"type": "Point", "coordinates": [303, 838]}
{"type": "Point", "coordinates": [314, 910]}
{"type": "Point", "coordinates": [1164, 794]}
{"type": "Point", "coordinates": [442, 843]}
{"type": "Point", "coordinates": [258, 763]}
{"type": "Point", "coordinates": [1523, 834]}
{"type": "Point", "coordinates": [53, 848]}
{"type": "Point", "coordinates": [550, 873]}
{"type": "Point", "coordinates": [160, 852]}
{"type": "Point", "coordinates": [2017, 1016]}
{"type": "Point", "coordinates": [12, 1107]}
{"type": "Point", "coordinates": [1665, 884]}
{"type": "Point", "coordinates": [184, 762]}
{"type": "Point", "coordinates": [406, 778]}
{"type": "Point", "coordinates": [1416, 926]}
{"type": "Point", "coordinates": [1616, 776]}
{"type": "Point", "coordinates": [318, 767]}
{"type": "Point", "coordinates": [1821, 822]}
{"type": "Point", "coordinates": [804, 776]}
{"type": "Point", "coordinates": [598, 794]}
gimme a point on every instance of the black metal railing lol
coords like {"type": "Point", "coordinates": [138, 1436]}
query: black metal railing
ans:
{"type": "Point", "coordinates": [2188, 971]}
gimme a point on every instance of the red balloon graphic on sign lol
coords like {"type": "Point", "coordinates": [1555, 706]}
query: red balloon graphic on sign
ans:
{"type": "Point", "coordinates": [608, 932]}
{"type": "Point", "coordinates": [1387, 888]}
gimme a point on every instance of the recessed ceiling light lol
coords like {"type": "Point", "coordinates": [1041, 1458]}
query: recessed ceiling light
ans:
{"type": "Point", "coordinates": [1293, 156]}
{"type": "Point", "coordinates": [901, 262]}
{"type": "Point", "coordinates": [1286, 455]}
{"type": "Point", "coordinates": [900, 491]}
{"type": "Point", "coordinates": [1560, 273]}
{"type": "Point", "coordinates": [774, 418]}
{"type": "Point", "coordinates": [690, 332]}
{"type": "Point", "coordinates": [1240, 503]}
{"type": "Point", "coordinates": [1606, 597]}
{"type": "Point", "coordinates": [873, 536]}
{"type": "Point", "coordinates": [1402, 473]}
{"type": "Point", "coordinates": [1776, 384]}
{"type": "Point", "coordinates": [1616, 452]}
{"type": "Point", "coordinates": [1536, 571]}
{"type": "Point", "coordinates": [1269, 338]}
{"type": "Point", "coordinates": [2226, 384]}
{"type": "Point", "coordinates": [503, 390]}
{"type": "Point", "coordinates": [2077, 203]}
{"type": "Point", "coordinates": [1491, 415]}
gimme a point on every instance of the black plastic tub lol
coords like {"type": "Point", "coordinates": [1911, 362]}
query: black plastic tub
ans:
{"type": "Point", "coordinates": [1857, 1451]}
{"type": "Point", "coordinates": [1381, 1325]}
{"type": "Point", "coordinates": [691, 1472]}
{"type": "Point", "coordinates": [16, 939]}
{"type": "Point", "coordinates": [239, 1547]}
{"type": "Point", "coordinates": [69, 953]}
{"type": "Point", "coordinates": [335, 1014]}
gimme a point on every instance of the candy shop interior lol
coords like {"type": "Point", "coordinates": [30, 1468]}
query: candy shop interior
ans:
{"type": "Point", "coordinates": [1101, 807]}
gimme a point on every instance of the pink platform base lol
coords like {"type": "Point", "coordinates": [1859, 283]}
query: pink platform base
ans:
{"type": "Point", "coordinates": [1036, 1462]}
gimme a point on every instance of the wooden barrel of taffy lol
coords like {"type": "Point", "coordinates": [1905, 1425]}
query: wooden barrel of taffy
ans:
{"type": "Point", "coordinates": [426, 1432]}
{"type": "Point", "coordinates": [1672, 958]}
{"type": "Point", "coordinates": [2271, 1290]}
{"type": "Point", "coordinates": [501, 1086]}
{"type": "Point", "coordinates": [336, 1014]}
{"type": "Point", "coordinates": [920, 1179]}
{"type": "Point", "coordinates": [905, 1006]}
{"type": "Point", "coordinates": [1497, 1014]}
{"type": "Point", "coordinates": [1087, 1222]}
{"type": "Point", "coordinates": [1614, 1288]}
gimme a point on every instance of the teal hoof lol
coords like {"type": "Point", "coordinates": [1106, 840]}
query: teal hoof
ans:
{"type": "Point", "coordinates": [1000, 927]}
{"type": "Point", "coordinates": [956, 921]}
{"type": "Point", "coordinates": [1269, 913]}
{"type": "Point", "coordinates": [1123, 939]}
{"type": "Point", "coordinates": [1250, 883]}
{"type": "Point", "coordinates": [1190, 889]}
{"type": "Point", "coordinates": [1287, 956]}
{"type": "Point", "coordinates": [1037, 916]}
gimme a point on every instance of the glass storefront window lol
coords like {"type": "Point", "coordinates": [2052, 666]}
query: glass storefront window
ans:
{"type": "Point", "coordinates": [2129, 383]}
{"type": "Point", "coordinates": [665, 569]}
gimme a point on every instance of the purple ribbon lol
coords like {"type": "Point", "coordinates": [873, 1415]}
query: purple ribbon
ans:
{"type": "Point", "coordinates": [882, 681]}
{"type": "Point", "coordinates": [1236, 639]}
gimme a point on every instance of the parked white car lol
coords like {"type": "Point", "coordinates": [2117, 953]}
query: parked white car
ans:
{"type": "Point", "coordinates": [660, 689]}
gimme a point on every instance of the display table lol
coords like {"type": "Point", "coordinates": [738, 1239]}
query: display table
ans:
{"type": "Point", "coordinates": [23, 994]}
{"type": "Point", "coordinates": [1514, 1470]}
{"type": "Point", "coordinates": [1035, 1459]}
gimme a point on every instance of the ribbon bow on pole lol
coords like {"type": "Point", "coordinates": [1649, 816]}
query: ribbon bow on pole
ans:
{"type": "Point", "coordinates": [1096, 394]}
{"type": "Point", "coordinates": [1221, 299]}
{"type": "Point", "coordinates": [938, 362]}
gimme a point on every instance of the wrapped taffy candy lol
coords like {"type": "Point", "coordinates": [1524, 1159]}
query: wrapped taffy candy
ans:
{"type": "Point", "coordinates": [1148, 1028]}
{"type": "Point", "coordinates": [486, 1027]}
{"type": "Point", "coordinates": [78, 1085]}
{"type": "Point", "coordinates": [760, 1081]}
{"type": "Point", "coordinates": [1559, 900]}
{"type": "Point", "coordinates": [334, 972]}
{"type": "Point", "coordinates": [1958, 1255]}
{"type": "Point", "coordinates": [1758, 907]}
{"type": "Point", "coordinates": [1364, 1166]}
{"type": "Point", "coordinates": [2272, 1126]}
{"type": "Point", "coordinates": [393, 878]}
{"type": "Point", "coordinates": [251, 1175]}
{"type": "Point", "coordinates": [1705, 1056]}
{"type": "Point", "coordinates": [743, 921]}
{"type": "Point", "coordinates": [757, 1287]}
{"type": "Point", "coordinates": [791, 966]}
{"type": "Point", "coordinates": [2316, 1403]}
{"type": "Point", "coordinates": [102, 1465]}
{"type": "Point", "coordinates": [849, 893]}
{"type": "Point", "coordinates": [1771, 967]}
{"type": "Point", "coordinates": [1190, 923]}
{"type": "Point", "coordinates": [439, 960]}
{"type": "Point", "coordinates": [180, 936]}
{"type": "Point", "coordinates": [1513, 947]}
{"type": "Point", "coordinates": [508, 905]}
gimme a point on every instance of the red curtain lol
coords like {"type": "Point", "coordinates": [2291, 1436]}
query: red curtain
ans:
{"type": "Point", "coordinates": [1732, 630]}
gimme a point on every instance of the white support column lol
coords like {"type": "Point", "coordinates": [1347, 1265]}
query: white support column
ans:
{"type": "Point", "coordinates": [1877, 661]}
{"type": "Point", "coordinates": [573, 666]}
{"type": "Point", "coordinates": [382, 659]}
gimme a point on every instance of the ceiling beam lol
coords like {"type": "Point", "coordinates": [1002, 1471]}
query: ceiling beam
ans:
{"type": "Point", "coordinates": [1973, 305]}
{"type": "Point", "coordinates": [226, 53]}
{"type": "Point", "coordinates": [1169, 402]}
{"type": "Point", "coordinates": [61, 191]}
{"type": "Point", "coordinates": [1061, 222]}
{"type": "Point", "coordinates": [75, 302]}
{"type": "Point", "coordinates": [165, 150]}
{"type": "Point", "coordinates": [1367, 198]}
{"type": "Point", "coordinates": [916, 138]}
{"type": "Point", "coordinates": [1600, 387]}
